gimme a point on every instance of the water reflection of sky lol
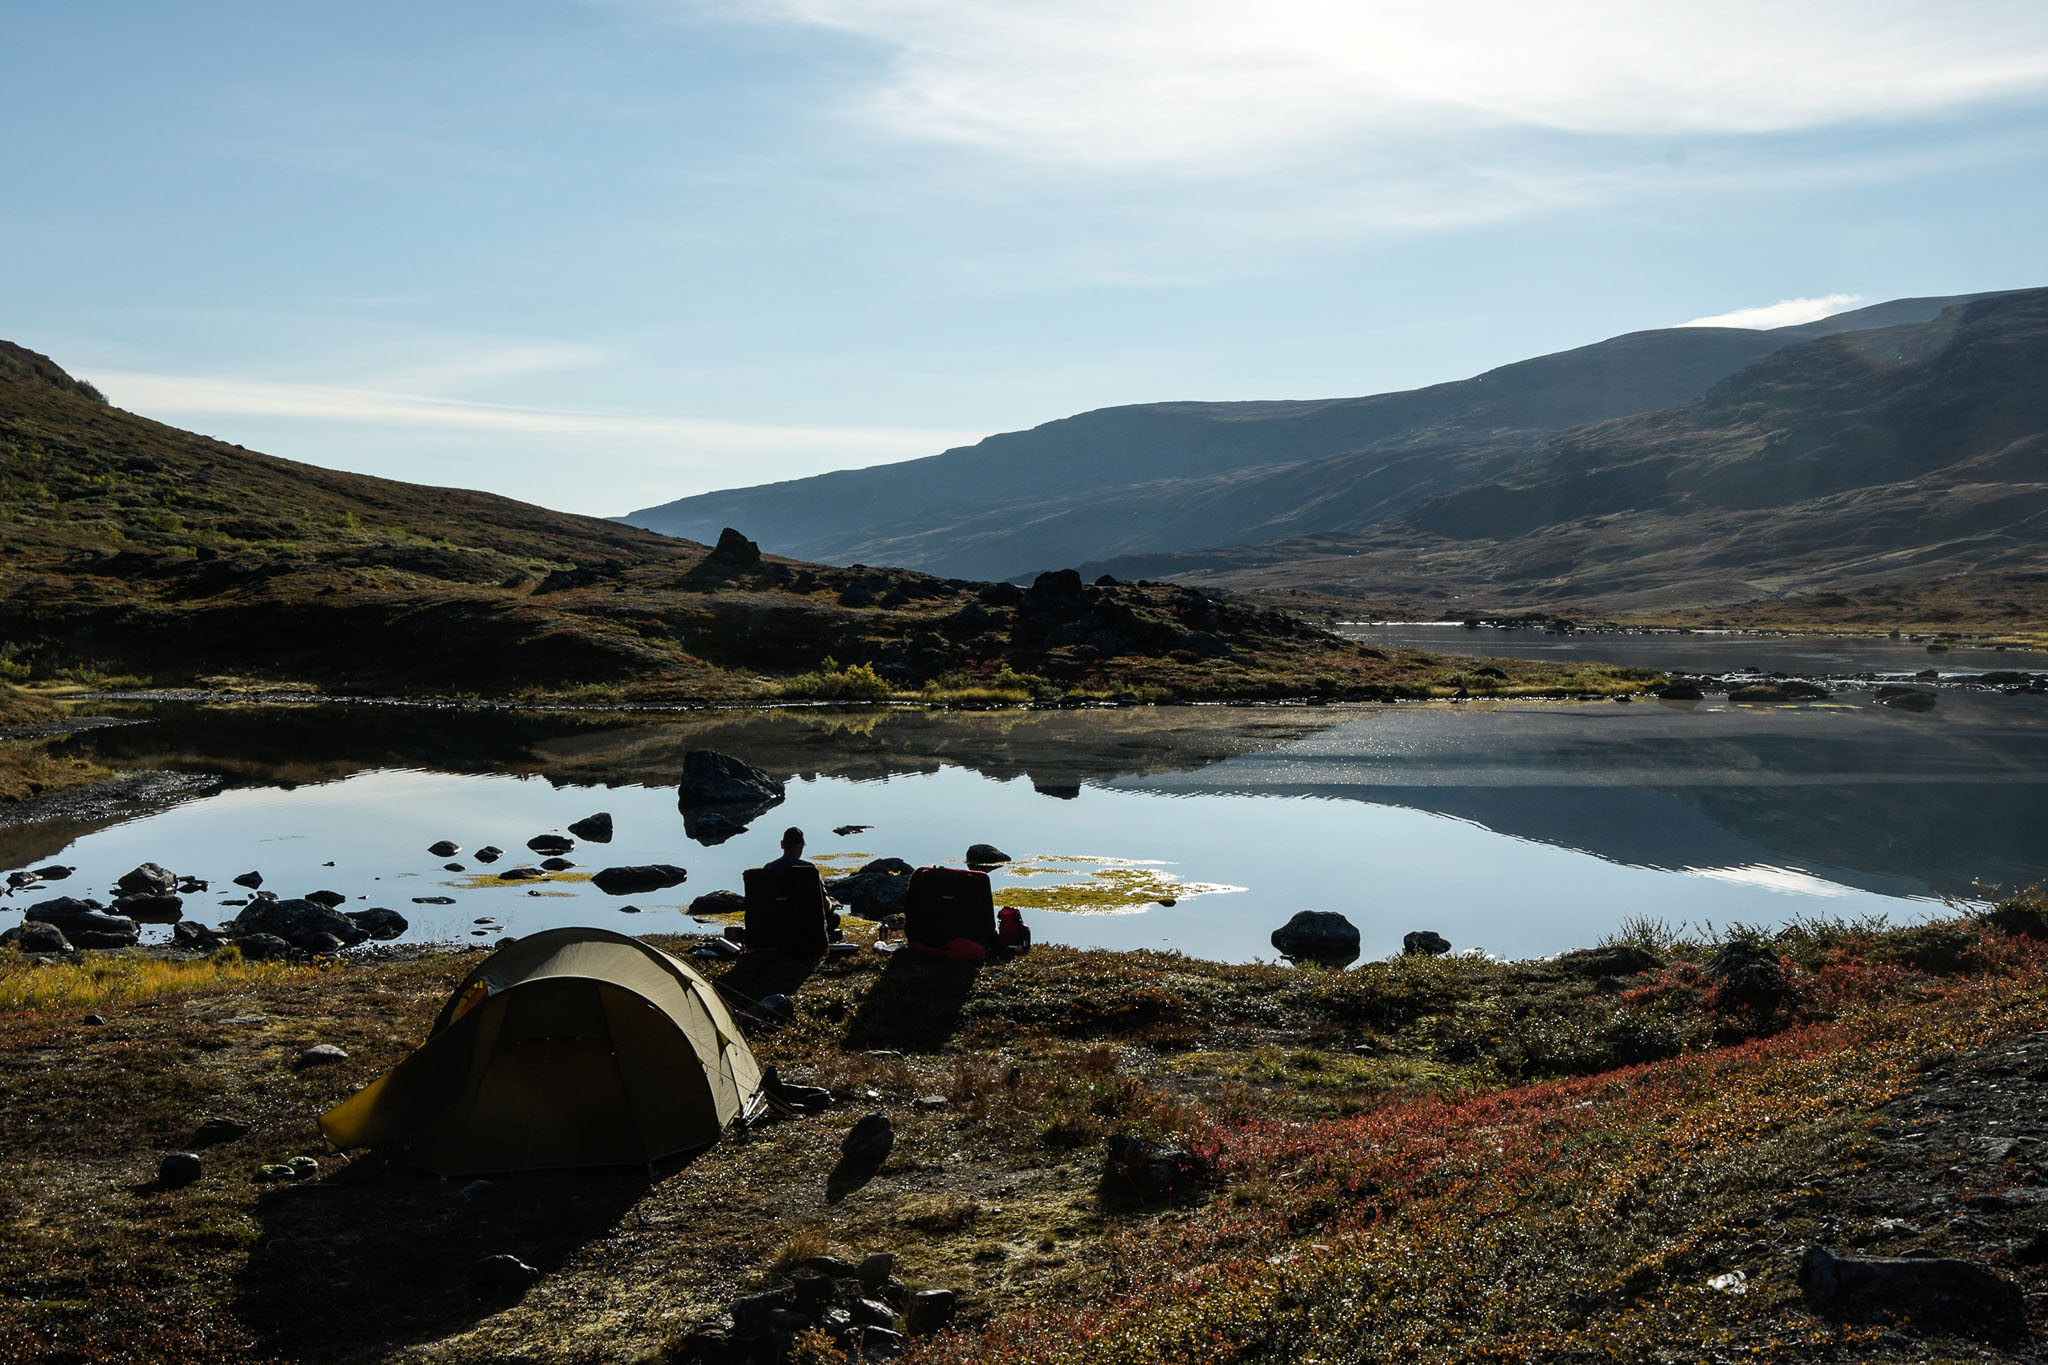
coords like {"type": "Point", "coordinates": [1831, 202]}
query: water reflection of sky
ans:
{"type": "Point", "coordinates": [1519, 830]}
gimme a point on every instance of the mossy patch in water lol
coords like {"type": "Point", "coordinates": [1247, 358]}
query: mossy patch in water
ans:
{"type": "Point", "coordinates": [478, 880]}
{"type": "Point", "coordinates": [1110, 886]}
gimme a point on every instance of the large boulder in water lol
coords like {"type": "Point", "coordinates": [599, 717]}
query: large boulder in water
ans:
{"type": "Point", "coordinates": [1318, 936]}
{"type": "Point", "coordinates": [305, 925]}
{"type": "Point", "coordinates": [84, 923]}
{"type": "Point", "coordinates": [714, 779]}
{"type": "Point", "coordinates": [148, 880]}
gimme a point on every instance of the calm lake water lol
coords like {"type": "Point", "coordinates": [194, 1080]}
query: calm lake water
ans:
{"type": "Point", "coordinates": [1519, 829]}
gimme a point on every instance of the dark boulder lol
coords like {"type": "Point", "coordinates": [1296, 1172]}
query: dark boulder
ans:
{"type": "Point", "coordinates": [555, 864]}
{"type": "Point", "coordinates": [304, 924]}
{"type": "Point", "coordinates": [150, 908]}
{"type": "Point", "coordinates": [1614, 959]}
{"type": "Point", "coordinates": [550, 844]}
{"type": "Point", "coordinates": [1747, 973]}
{"type": "Point", "coordinates": [929, 1310]}
{"type": "Point", "coordinates": [869, 1141]}
{"type": "Point", "coordinates": [875, 890]}
{"type": "Point", "coordinates": [733, 551]}
{"type": "Point", "coordinates": [214, 1131]}
{"type": "Point", "coordinates": [178, 1170]}
{"type": "Point", "coordinates": [148, 880]}
{"type": "Point", "coordinates": [260, 947]}
{"type": "Point", "coordinates": [84, 923]}
{"type": "Point", "coordinates": [714, 779]}
{"type": "Point", "coordinates": [444, 848]}
{"type": "Point", "coordinates": [596, 829]}
{"type": "Point", "coordinates": [40, 936]}
{"type": "Point", "coordinates": [195, 937]}
{"type": "Point", "coordinates": [719, 903]}
{"type": "Point", "coordinates": [379, 923]}
{"type": "Point", "coordinates": [1933, 1286]}
{"type": "Point", "coordinates": [1424, 943]}
{"type": "Point", "coordinates": [985, 855]}
{"type": "Point", "coordinates": [326, 899]}
{"type": "Point", "coordinates": [489, 853]}
{"type": "Point", "coordinates": [1056, 585]}
{"type": "Point", "coordinates": [1318, 936]}
{"type": "Point", "coordinates": [252, 880]}
{"type": "Point", "coordinates": [55, 872]}
{"type": "Point", "coordinates": [638, 879]}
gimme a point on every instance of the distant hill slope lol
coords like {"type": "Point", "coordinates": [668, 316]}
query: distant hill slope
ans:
{"type": "Point", "coordinates": [132, 549]}
{"type": "Point", "coordinates": [1875, 463]}
{"type": "Point", "coordinates": [1174, 476]}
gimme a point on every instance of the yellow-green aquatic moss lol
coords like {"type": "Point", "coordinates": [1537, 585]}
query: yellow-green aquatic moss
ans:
{"type": "Point", "coordinates": [1109, 886]}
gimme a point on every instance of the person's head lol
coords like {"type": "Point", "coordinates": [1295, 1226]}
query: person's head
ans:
{"type": "Point", "coordinates": [792, 840]}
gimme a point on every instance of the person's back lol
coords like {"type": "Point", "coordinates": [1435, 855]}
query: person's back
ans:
{"type": "Point", "coordinates": [787, 911]}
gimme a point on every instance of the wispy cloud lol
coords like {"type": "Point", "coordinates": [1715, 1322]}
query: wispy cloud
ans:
{"type": "Point", "coordinates": [1783, 313]}
{"type": "Point", "coordinates": [1216, 87]}
{"type": "Point", "coordinates": [185, 395]}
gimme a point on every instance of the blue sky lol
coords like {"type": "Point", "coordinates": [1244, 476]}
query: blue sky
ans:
{"type": "Point", "coordinates": [599, 255]}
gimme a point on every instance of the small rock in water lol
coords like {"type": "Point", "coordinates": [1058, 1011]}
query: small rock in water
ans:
{"type": "Point", "coordinates": [252, 880]}
{"type": "Point", "coordinates": [557, 864]}
{"type": "Point", "coordinates": [433, 900]}
{"type": "Point", "coordinates": [321, 1054]}
{"type": "Point", "coordinates": [380, 923]}
{"type": "Point", "coordinates": [453, 867]}
{"type": "Point", "coordinates": [329, 899]}
{"type": "Point", "coordinates": [596, 828]}
{"type": "Point", "coordinates": [629, 909]}
{"type": "Point", "coordinates": [1318, 936]}
{"type": "Point", "coordinates": [550, 843]}
{"type": "Point", "coordinates": [985, 855]}
{"type": "Point", "coordinates": [178, 1170]}
{"type": "Point", "coordinates": [638, 879]}
{"type": "Point", "coordinates": [55, 872]}
{"type": "Point", "coordinates": [520, 874]}
{"type": "Point", "coordinates": [843, 830]}
{"type": "Point", "coordinates": [149, 879]}
{"type": "Point", "coordinates": [489, 853]}
{"type": "Point", "coordinates": [444, 848]}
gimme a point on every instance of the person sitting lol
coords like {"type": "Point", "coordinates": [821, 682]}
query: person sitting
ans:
{"type": "Point", "coordinates": [787, 910]}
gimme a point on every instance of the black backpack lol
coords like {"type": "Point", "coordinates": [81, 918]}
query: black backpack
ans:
{"type": "Point", "coordinates": [785, 911]}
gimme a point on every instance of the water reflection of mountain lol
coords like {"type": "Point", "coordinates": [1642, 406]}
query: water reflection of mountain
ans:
{"type": "Point", "coordinates": [1891, 803]}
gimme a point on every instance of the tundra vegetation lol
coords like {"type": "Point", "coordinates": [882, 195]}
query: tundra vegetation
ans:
{"type": "Point", "coordinates": [1428, 1158]}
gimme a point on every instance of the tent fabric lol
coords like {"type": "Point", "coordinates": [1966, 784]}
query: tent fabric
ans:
{"type": "Point", "coordinates": [571, 1047]}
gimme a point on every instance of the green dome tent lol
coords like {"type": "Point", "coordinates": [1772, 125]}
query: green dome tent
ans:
{"type": "Point", "coordinates": [572, 1047]}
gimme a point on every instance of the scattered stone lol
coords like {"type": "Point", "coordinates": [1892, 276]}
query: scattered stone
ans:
{"type": "Point", "coordinates": [214, 1131]}
{"type": "Point", "coordinates": [638, 879]}
{"type": "Point", "coordinates": [444, 848]}
{"type": "Point", "coordinates": [83, 923]}
{"type": "Point", "coordinates": [260, 947]}
{"type": "Point", "coordinates": [1318, 936]}
{"type": "Point", "coordinates": [1747, 973]}
{"type": "Point", "coordinates": [597, 829]}
{"type": "Point", "coordinates": [39, 936]}
{"type": "Point", "coordinates": [843, 830]}
{"type": "Point", "coordinates": [322, 1054]}
{"type": "Point", "coordinates": [55, 872]}
{"type": "Point", "coordinates": [874, 1271]}
{"type": "Point", "coordinates": [453, 867]}
{"type": "Point", "coordinates": [1936, 1285]}
{"type": "Point", "coordinates": [149, 879]}
{"type": "Point", "coordinates": [489, 853]}
{"type": "Point", "coordinates": [94, 1021]}
{"type": "Point", "coordinates": [379, 923]}
{"type": "Point", "coordinates": [985, 855]}
{"type": "Point", "coordinates": [929, 1310]}
{"type": "Point", "coordinates": [1614, 959]}
{"type": "Point", "coordinates": [1136, 1170]}
{"type": "Point", "coordinates": [178, 1170]}
{"type": "Point", "coordinates": [433, 900]}
{"type": "Point", "coordinates": [502, 1275]}
{"type": "Point", "coordinates": [17, 880]}
{"type": "Point", "coordinates": [1425, 943]}
{"type": "Point", "coordinates": [556, 864]}
{"type": "Point", "coordinates": [629, 909]}
{"type": "Point", "coordinates": [521, 874]}
{"type": "Point", "coordinates": [803, 1099]}
{"type": "Point", "coordinates": [329, 899]}
{"type": "Point", "coordinates": [191, 886]}
{"type": "Point", "coordinates": [870, 1140]}
{"type": "Point", "coordinates": [550, 843]}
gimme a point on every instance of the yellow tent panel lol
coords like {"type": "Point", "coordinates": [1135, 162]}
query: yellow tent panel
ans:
{"type": "Point", "coordinates": [572, 1047]}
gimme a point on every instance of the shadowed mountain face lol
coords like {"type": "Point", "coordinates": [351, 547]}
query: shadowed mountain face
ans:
{"type": "Point", "coordinates": [1171, 477]}
{"type": "Point", "coordinates": [1852, 464]}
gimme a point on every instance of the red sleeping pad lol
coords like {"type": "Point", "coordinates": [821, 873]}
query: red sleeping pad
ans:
{"type": "Point", "coordinates": [949, 912]}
